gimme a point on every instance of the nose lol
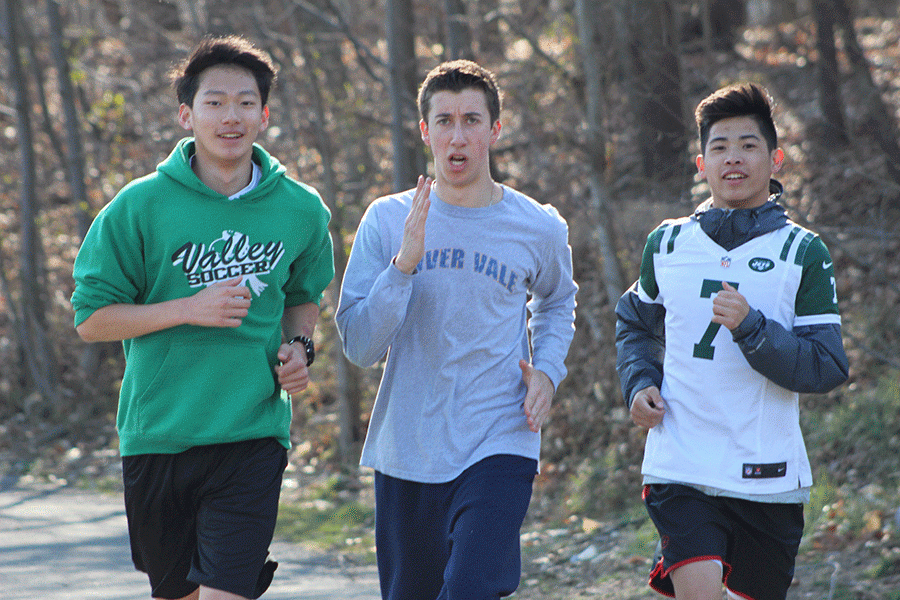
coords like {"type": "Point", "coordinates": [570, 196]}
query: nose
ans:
{"type": "Point", "coordinates": [459, 137]}
{"type": "Point", "coordinates": [733, 157]}
{"type": "Point", "coordinates": [230, 114]}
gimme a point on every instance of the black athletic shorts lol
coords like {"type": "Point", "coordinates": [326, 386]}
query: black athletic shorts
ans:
{"type": "Point", "coordinates": [756, 542]}
{"type": "Point", "coordinates": [205, 516]}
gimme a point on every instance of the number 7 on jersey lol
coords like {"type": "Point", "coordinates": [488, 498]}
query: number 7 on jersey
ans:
{"type": "Point", "coordinates": [705, 349]}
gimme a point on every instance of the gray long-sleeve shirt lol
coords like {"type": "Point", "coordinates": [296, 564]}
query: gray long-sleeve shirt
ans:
{"type": "Point", "coordinates": [455, 330]}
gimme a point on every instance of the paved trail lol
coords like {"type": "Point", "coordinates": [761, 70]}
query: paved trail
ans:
{"type": "Point", "coordinates": [67, 544]}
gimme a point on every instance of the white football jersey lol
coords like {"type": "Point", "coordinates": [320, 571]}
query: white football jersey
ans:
{"type": "Point", "coordinates": [726, 425]}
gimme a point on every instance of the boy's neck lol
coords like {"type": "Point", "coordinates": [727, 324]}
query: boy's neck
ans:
{"type": "Point", "coordinates": [476, 195]}
{"type": "Point", "coordinates": [224, 179]}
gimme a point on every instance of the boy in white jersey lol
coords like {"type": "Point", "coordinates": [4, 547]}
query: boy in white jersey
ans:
{"type": "Point", "coordinates": [725, 467]}
{"type": "Point", "coordinates": [442, 279]}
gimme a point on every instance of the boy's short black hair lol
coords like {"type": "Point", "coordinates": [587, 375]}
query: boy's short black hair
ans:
{"type": "Point", "coordinates": [738, 100]}
{"type": "Point", "coordinates": [230, 50]}
{"type": "Point", "coordinates": [458, 75]}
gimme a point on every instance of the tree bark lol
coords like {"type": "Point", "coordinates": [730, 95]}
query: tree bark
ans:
{"type": "Point", "coordinates": [74, 147]}
{"type": "Point", "coordinates": [588, 17]}
{"type": "Point", "coordinates": [408, 160]}
{"type": "Point", "coordinates": [456, 27]}
{"type": "Point", "coordinates": [89, 361]}
{"type": "Point", "coordinates": [656, 92]}
{"type": "Point", "coordinates": [881, 122]}
{"type": "Point", "coordinates": [829, 75]}
{"type": "Point", "coordinates": [32, 330]}
{"type": "Point", "coordinates": [490, 39]}
{"type": "Point", "coordinates": [348, 387]}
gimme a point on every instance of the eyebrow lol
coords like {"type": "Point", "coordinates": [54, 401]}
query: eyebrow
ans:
{"type": "Point", "coordinates": [224, 93]}
{"type": "Point", "coordinates": [473, 113]}
{"type": "Point", "coordinates": [722, 138]}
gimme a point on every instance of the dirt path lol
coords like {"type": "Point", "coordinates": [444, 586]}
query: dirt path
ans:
{"type": "Point", "coordinates": [60, 543]}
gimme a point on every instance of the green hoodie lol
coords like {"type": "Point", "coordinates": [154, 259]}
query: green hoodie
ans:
{"type": "Point", "coordinates": [167, 236]}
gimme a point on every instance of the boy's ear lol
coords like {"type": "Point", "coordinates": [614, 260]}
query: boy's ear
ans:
{"type": "Point", "coordinates": [184, 117]}
{"type": "Point", "coordinates": [423, 127]}
{"type": "Point", "coordinates": [777, 159]}
{"type": "Point", "coordinates": [701, 167]}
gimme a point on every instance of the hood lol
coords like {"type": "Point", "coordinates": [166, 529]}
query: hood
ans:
{"type": "Point", "coordinates": [732, 227]}
{"type": "Point", "coordinates": [177, 166]}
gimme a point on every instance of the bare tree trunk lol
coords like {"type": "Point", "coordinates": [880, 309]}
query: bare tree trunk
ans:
{"type": "Point", "coordinates": [408, 161]}
{"type": "Point", "coordinates": [193, 14]}
{"type": "Point", "coordinates": [348, 387]}
{"type": "Point", "coordinates": [321, 79]}
{"type": "Point", "coordinates": [32, 332]}
{"type": "Point", "coordinates": [656, 91]}
{"type": "Point", "coordinates": [459, 38]}
{"type": "Point", "coordinates": [89, 361]}
{"type": "Point", "coordinates": [74, 147]}
{"type": "Point", "coordinates": [588, 17]}
{"type": "Point", "coordinates": [829, 75]}
{"type": "Point", "coordinates": [490, 40]}
{"type": "Point", "coordinates": [881, 122]}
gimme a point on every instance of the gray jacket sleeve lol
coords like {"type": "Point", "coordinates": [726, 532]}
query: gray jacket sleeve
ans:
{"type": "Point", "coordinates": [808, 359]}
{"type": "Point", "coordinates": [374, 296]}
{"type": "Point", "coordinates": [640, 343]}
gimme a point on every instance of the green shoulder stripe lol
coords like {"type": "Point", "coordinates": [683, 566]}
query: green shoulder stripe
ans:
{"type": "Point", "coordinates": [670, 247]}
{"type": "Point", "coordinates": [654, 240]}
{"type": "Point", "coordinates": [785, 250]}
{"type": "Point", "coordinates": [648, 270]}
{"type": "Point", "coordinates": [801, 249]}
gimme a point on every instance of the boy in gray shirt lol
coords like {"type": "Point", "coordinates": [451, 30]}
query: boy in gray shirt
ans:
{"type": "Point", "coordinates": [442, 279]}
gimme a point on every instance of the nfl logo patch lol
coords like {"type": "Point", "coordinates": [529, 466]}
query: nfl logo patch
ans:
{"type": "Point", "coordinates": [726, 262]}
{"type": "Point", "coordinates": [748, 470]}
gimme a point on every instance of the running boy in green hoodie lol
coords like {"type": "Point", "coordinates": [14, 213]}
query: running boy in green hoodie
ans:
{"type": "Point", "coordinates": [210, 270]}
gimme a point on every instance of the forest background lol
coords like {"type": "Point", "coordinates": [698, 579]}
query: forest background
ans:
{"type": "Point", "coordinates": [597, 121]}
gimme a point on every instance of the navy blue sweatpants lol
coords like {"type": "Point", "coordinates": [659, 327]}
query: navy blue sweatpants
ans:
{"type": "Point", "coordinates": [456, 540]}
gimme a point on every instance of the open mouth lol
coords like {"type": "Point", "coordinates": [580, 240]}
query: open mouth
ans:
{"type": "Point", "coordinates": [457, 160]}
{"type": "Point", "coordinates": [734, 176]}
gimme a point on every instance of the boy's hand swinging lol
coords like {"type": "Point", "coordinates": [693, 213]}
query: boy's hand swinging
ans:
{"type": "Point", "coordinates": [293, 374]}
{"type": "Point", "coordinates": [647, 408]}
{"type": "Point", "coordinates": [539, 396]}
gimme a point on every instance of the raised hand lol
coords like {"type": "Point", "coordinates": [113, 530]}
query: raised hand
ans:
{"type": "Point", "coordinates": [223, 304]}
{"type": "Point", "coordinates": [412, 248]}
{"type": "Point", "coordinates": [729, 307]}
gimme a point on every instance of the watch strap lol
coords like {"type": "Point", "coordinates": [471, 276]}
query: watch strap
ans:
{"type": "Point", "coordinates": [310, 348]}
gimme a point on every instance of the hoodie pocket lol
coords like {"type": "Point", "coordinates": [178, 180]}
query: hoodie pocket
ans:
{"type": "Point", "coordinates": [206, 393]}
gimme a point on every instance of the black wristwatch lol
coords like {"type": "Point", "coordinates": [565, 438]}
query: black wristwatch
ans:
{"type": "Point", "coordinates": [310, 348]}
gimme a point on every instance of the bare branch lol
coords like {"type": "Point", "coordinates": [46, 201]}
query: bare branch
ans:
{"type": "Point", "coordinates": [520, 31]}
